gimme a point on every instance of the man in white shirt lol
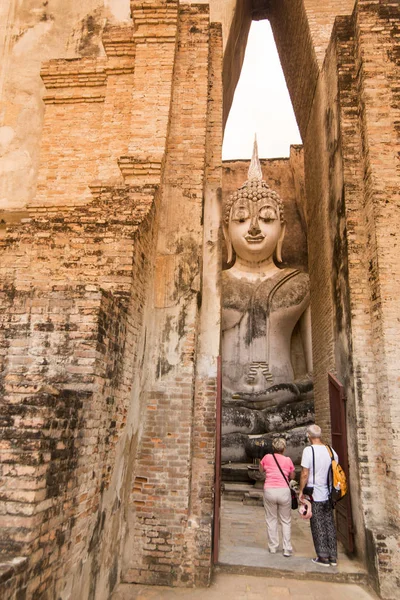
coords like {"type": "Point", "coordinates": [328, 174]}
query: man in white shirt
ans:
{"type": "Point", "coordinates": [323, 527]}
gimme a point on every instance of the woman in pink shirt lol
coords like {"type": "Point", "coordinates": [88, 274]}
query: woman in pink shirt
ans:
{"type": "Point", "coordinates": [277, 496]}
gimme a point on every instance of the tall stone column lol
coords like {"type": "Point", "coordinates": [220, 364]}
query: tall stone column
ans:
{"type": "Point", "coordinates": [168, 538]}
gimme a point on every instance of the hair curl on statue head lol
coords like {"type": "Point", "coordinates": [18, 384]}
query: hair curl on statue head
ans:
{"type": "Point", "coordinates": [253, 190]}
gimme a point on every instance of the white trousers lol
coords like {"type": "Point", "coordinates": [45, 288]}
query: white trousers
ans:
{"type": "Point", "coordinates": [278, 505]}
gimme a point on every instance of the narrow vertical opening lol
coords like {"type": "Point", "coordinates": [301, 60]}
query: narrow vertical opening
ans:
{"type": "Point", "coordinates": [267, 392]}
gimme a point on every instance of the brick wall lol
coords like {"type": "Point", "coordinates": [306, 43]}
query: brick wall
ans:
{"type": "Point", "coordinates": [71, 351]}
{"type": "Point", "coordinates": [352, 220]}
{"type": "Point", "coordinates": [93, 243]}
{"type": "Point", "coordinates": [377, 63]}
{"type": "Point", "coordinates": [321, 18]}
{"type": "Point", "coordinates": [69, 357]}
{"type": "Point", "coordinates": [60, 424]}
{"type": "Point", "coordinates": [110, 280]}
{"type": "Point", "coordinates": [169, 538]}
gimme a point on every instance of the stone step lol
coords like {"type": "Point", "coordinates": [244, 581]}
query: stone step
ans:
{"type": "Point", "coordinates": [236, 491]}
{"type": "Point", "coordinates": [251, 501]}
{"type": "Point", "coordinates": [235, 472]}
{"type": "Point", "coordinates": [296, 568]}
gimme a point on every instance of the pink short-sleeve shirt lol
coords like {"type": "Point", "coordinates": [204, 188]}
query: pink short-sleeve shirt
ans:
{"type": "Point", "coordinates": [273, 477]}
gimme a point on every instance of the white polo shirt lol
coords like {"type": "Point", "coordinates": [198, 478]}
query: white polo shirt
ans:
{"type": "Point", "coordinates": [322, 465]}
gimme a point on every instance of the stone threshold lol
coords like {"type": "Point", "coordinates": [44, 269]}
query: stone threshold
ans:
{"type": "Point", "coordinates": [299, 568]}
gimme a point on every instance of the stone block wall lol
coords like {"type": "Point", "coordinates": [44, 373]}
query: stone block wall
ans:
{"type": "Point", "coordinates": [352, 218]}
{"type": "Point", "coordinates": [89, 236]}
{"type": "Point", "coordinates": [62, 413]}
{"type": "Point", "coordinates": [76, 270]}
{"type": "Point", "coordinates": [110, 258]}
{"type": "Point", "coordinates": [170, 510]}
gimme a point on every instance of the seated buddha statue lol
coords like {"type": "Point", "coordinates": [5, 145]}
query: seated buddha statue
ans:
{"type": "Point", "coordinates": [262, 305]}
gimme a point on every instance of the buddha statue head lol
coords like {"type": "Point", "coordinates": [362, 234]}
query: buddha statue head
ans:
{"type": "Point", "coordinates": [253, 219]}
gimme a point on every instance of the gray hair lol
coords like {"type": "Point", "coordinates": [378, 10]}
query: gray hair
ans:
{"type": "Point", "coordinates": [314, 431]}
{"type": "Point", "coordinates": [279, 444]}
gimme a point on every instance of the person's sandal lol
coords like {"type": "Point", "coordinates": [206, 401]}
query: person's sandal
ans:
{"type": "Point", "coordinates": [321, 562]}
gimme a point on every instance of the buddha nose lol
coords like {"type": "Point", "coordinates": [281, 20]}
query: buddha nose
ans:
{"type": "Point", "coordinates": [254, 228]}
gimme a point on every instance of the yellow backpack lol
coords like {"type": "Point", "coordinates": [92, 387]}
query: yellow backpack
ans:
{"type": "Point", "coordinates": [337, 484]}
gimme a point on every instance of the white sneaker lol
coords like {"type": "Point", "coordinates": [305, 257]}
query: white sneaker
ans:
{"type": "Point", "coordinates": [287, 553]}
{"type": "Point", "coordinates": [272, 550]}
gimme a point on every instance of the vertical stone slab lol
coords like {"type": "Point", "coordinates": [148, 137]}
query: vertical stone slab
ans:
{"type": "Point", "coordinates": [162, 542]}
{"type": "Point", "coordinates": [354, 357]}
{"type": "Point", "coordinates": [352, 217]}
{"type": "Point", "coordinates": [208, 341]}
{"type": "Point", "coordinates": [378, 70]}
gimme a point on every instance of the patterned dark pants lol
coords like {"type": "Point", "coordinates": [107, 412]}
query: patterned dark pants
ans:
{"type": "Point", "coordinates": [323, 530]}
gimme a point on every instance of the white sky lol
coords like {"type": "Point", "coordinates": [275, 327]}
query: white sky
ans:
{"type": "Point", "coordinates": [261, 104]}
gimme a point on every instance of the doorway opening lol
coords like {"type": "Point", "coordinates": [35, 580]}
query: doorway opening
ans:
{"type": "Point", "coordinates": [266, 366]}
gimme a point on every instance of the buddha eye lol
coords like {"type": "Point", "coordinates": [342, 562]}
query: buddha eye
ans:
{"type": "Point", "coordinates": [267, 214]}
{"type": "Point", "coordinates": [241, 215]}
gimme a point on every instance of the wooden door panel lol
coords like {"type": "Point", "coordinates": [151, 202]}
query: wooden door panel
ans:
{"type": "Point", "coordinates": [337, 402]}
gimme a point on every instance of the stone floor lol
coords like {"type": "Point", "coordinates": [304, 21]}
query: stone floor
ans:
{"type": "Point", "coordinates": [248, 572]}
{"type": "Point", "coordinates": [248, 587]}
{"type": "Point", "coordinates": [243, 542]}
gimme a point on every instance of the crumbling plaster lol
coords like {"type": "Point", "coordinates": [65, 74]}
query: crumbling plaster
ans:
{"type": "Point", "coordinates": [32, 32]}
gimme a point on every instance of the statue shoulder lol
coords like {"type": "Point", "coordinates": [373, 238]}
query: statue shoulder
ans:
{"type": "Point", "coordinates": [296, 277]}
{"type": "Point", "coordinates": [235, 292]}
{"type": "Point", "coordinates": [292, 288]}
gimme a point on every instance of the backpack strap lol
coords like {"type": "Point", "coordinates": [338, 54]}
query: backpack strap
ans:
{"type": "Point", "coordinates": [279, 467]}
{"type": "Point", "coordinates": [313, 465]}
{"type": "Point", "coordinates": [329, 477]}
{"type": "Point", "coordinates": [330, 451]}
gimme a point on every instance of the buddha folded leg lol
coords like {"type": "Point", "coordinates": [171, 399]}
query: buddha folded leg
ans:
{"type": "Point", "coordinates": [242, 447]}
{"type": "Point", "coordinates": [275, 395]}
{"type": "Point", "coordinates": [241, 419]}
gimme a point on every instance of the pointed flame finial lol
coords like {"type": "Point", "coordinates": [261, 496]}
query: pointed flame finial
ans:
{"type": "Point", "coordinates": [255, 171]}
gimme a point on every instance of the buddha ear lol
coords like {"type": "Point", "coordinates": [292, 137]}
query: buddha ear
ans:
{"type": "Point", "coordinates": [279, 244]}
{"type": "Point", "coordinates": [227, 243]}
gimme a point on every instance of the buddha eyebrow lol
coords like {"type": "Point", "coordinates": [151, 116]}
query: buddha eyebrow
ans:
{"type": "Point", "coordinates": [269, 209]}
{"type": "Point", "coordinates": [269, 206]}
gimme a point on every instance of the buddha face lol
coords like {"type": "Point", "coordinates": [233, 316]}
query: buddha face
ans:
{"type": "Point", "coordinates": [255, 229]}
